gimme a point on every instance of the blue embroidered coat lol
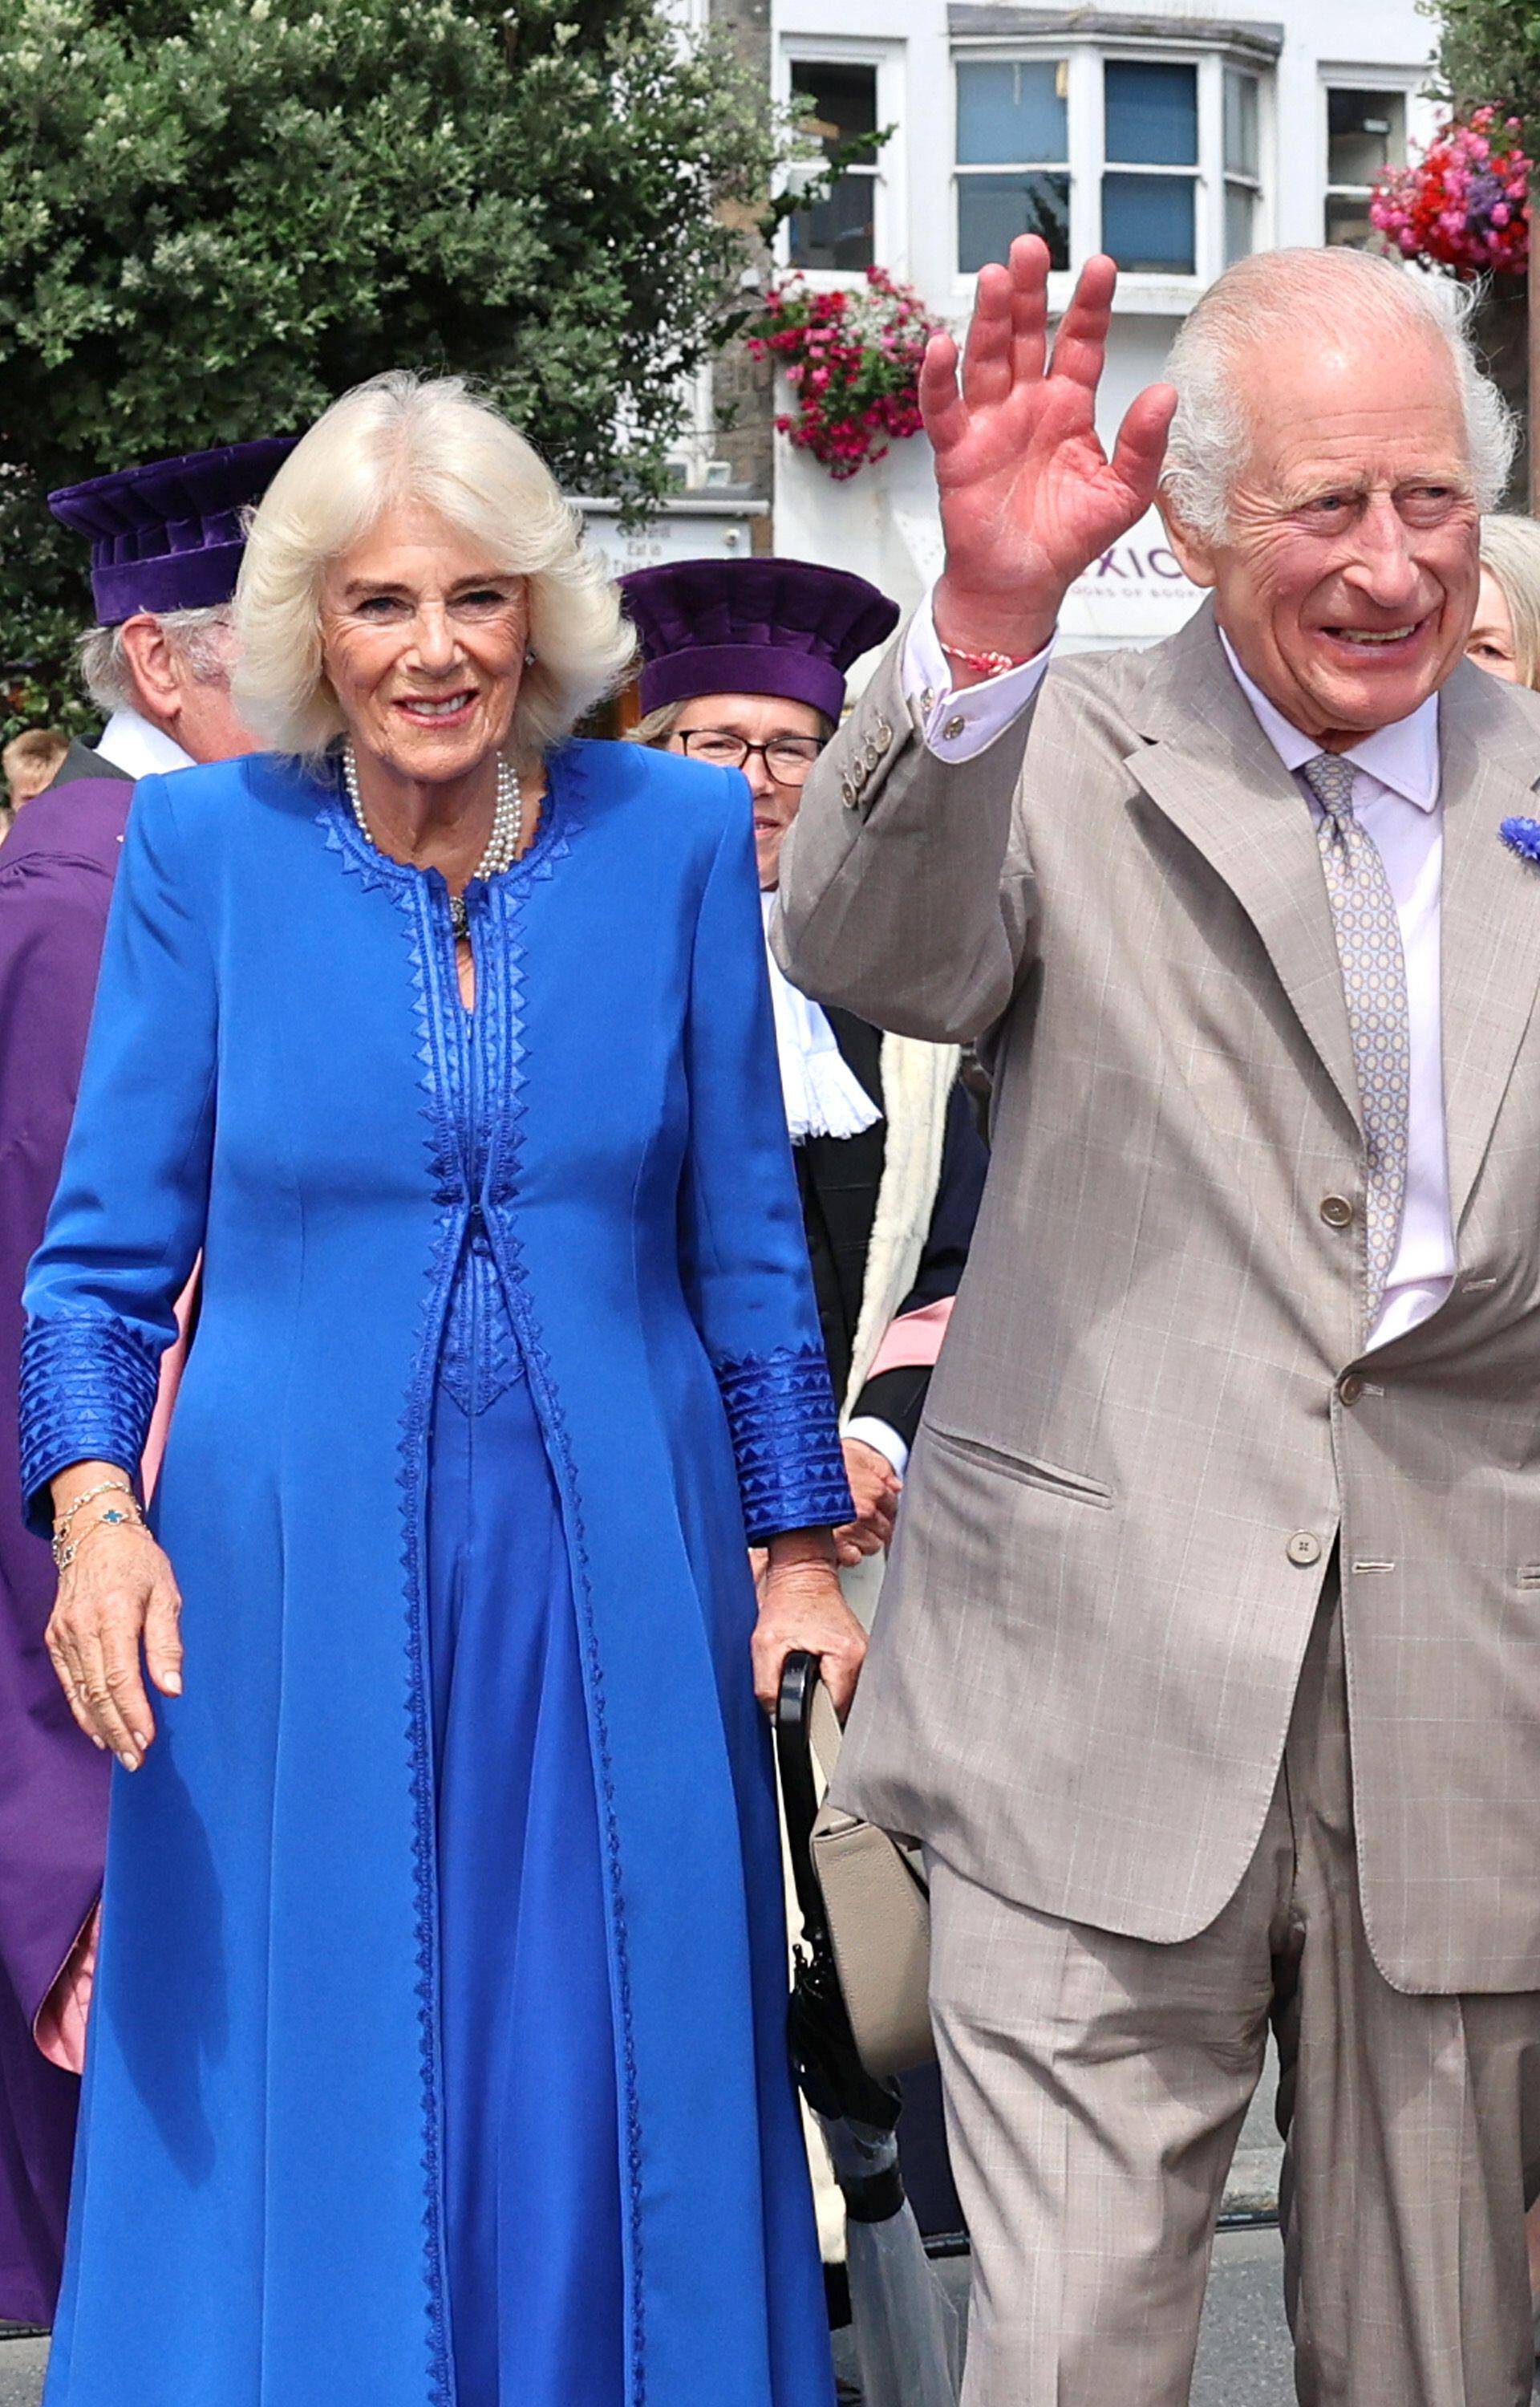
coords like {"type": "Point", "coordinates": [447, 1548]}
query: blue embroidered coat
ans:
{"type": "Point", "coordinates": [257, 2214]}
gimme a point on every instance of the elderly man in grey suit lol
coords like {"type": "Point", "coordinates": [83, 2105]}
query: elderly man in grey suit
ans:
{"type": "Point", "coordinates": [1207, 1669]}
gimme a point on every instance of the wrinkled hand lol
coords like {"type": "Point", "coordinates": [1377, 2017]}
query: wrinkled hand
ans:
{"type": "Point", "coordinates": [1028, 497]}
{"type": "Point", "coordinates": [800, 1608]}
{"type": "Point", "coordinates": [876, 1488]}
{"type": "Point", "coordinates": [118, 1595]}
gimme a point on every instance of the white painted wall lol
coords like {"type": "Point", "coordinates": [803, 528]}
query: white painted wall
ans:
{"type": "Point", "coordinates": [882, 522]}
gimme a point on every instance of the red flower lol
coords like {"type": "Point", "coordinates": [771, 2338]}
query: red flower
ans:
{"type": "Point", "coordinates": [852, 358]}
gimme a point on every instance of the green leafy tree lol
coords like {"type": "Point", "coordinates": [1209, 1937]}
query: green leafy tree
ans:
{"type": "Point", "coordinates": [1490, 51]}
{"type": "Point", "coordinates": [215, 215]}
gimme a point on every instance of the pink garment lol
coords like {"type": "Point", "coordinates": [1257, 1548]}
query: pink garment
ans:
{"type": "Point", "coordinates": [59, 2028]}
{"type": "Point", "coordinates": [913, 1341]}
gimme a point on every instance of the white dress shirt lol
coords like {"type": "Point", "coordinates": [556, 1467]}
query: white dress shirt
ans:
{"type": "Point", "coordinates": [1396, 801]}
{"type": "Point", "coordinates": [139, 750]}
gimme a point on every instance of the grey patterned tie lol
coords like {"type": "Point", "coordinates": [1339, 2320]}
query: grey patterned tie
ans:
{"type": "Point", "coordinates": [1374, 980]}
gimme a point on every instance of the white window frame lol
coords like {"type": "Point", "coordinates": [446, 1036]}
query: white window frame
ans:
{"type": "Point", "coordinates": [1087, 54]}
{"type": "Point", "coordinates": [890, 213]}
{"type": "Point", "coordinates": [1038, 53]}
{"type": "Point", "coordinates": [1256, 184]}
{"type": "Point", "coordinates": [1335, 75]}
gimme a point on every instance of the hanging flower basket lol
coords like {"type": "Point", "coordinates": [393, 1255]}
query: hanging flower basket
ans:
{"type": "Point", "coordinates": [852, 358]}
{"type": "Point", "coordinates": [1464, 204]}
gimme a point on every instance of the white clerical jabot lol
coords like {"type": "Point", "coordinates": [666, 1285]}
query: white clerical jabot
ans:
{"type": "Point", "coordinates": [822, 1094]}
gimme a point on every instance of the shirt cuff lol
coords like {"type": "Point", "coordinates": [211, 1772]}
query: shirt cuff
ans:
{"type": "Point", "coordinates": [882, 1440]}
{"type": "Point", "coordinates": [959, 726]}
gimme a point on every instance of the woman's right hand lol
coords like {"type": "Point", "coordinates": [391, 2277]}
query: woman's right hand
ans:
{"type": "Point", "coordinates": [118, 1595]}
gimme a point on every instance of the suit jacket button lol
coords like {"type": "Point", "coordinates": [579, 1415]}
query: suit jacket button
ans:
{"type": "Point", "coordinates": [1336, 1211]}
{"type": "Point", "coordinates": [1350, 1389]}
{"type": "Point", "coordinates": [883, 737]}
{"type": "Point", "coordinates": [1303, 1547]}
{"type": "Point", "coordinates": [849, 793]}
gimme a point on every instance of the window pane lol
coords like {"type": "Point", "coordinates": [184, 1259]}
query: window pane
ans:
{"type": "Point", "coordinates": [991, 210]}
{"type": "Point", "coordinates": [1241, 122]}
{"type": "Point", "coordinates": [1239, 222]}
{"type": "Point", "coordinates": [1152, 113]}
{"type": "Point", "coordinates": [838, 233]}
{"type": "Point", "coordinates": [1347, 222]}
{"type": "Point", "coordinates": [1012, 111]}
{"type": "Point", "coordinates": [843, 98]}
{"type": "Point", "coordinates": [1147, 223]}
{"type": "Point", "coordinates": [1365, 131]}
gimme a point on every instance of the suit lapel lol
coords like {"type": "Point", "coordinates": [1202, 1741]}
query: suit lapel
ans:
{"type": "Point", "coordinates": [1490, 917]}
{"type": "Point", "coordinates": [1212, 771]}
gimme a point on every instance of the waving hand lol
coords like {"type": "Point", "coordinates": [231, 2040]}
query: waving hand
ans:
{"type": "Point", "coordinates": [1028, 496]}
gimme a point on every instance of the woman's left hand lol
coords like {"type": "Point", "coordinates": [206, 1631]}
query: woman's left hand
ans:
{"type": "Point", "coordinates": [801, 1610]}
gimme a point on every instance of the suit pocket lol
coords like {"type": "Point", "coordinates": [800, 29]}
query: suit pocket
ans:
{"type": "Point", "coordinates": [1075, 1486]}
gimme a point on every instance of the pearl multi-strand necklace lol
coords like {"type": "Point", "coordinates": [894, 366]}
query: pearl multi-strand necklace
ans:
{"type": "Point", "coordinates": [502, 845]}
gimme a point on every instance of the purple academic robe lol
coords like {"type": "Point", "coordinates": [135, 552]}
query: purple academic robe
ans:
{"type": "Point", "coordinates": [56, 871]}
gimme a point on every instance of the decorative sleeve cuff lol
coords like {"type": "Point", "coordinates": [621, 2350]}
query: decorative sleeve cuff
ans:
{"type": "Point", "coordinates": [785, 1437]}
{"type": "Point", "coordinates": [88, 1393]}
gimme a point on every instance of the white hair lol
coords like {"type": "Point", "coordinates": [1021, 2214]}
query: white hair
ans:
{"type": "Point", "coordinates": [197, 636]}
{"type": "Point", "coordinates": [407, 438]}
{"type": "Point", "coordinates": [1301, 296]}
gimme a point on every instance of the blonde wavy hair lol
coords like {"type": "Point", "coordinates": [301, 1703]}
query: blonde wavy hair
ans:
{"type": "Point", "coordinates": [404, 438]}
{"type": "Point", "coordinates": [1510, 553]}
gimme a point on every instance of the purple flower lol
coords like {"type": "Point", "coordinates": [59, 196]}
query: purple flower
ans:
{"type": "Point", "coordinates": [1522, 836]}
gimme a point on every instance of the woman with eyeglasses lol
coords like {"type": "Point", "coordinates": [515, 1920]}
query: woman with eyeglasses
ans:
{"type": "Point", "coordinates": [744, 665]}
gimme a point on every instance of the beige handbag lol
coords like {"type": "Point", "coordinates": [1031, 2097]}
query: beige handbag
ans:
{"type": "Point", "coordinates": [875, 1902]}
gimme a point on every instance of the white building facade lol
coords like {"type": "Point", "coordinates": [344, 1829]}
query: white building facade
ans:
{"type": "Point", "coordinates": [1174, 141]}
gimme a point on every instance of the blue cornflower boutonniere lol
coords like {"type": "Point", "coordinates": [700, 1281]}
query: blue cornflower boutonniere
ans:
{"type": "Point", "coordinates": [1522, 836]}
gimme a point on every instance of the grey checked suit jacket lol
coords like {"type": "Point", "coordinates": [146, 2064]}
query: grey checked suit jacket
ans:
{"type": "Point", "coordinates": [1136, 1454]}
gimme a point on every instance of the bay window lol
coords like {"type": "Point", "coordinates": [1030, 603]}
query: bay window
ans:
{"type": "Point", "coordinates": [1148, 150]}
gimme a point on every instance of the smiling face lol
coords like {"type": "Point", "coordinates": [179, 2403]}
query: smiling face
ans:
{"type": "Point", "coordinates": [1347, 572]}
{"type": "Point", "coordinates": [764, 720]}
{"type": "Point", "coordinates": [424, 639]}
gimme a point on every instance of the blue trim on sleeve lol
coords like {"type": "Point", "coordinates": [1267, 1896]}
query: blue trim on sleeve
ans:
{"type": "Point", "coordinates": [785, 1437]}
{"type": "Point", "coordinates": [89, 1384]}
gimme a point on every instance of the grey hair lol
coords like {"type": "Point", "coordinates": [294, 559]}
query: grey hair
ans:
{"type": "Point", "coordinates": [408, 438]}
{"type": "Point", "coordinates": [198, 636]}
{"type": "Point", "coordinates": [1302, 294]}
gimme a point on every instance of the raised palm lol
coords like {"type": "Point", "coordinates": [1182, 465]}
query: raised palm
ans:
{"type": "Point", "coordinates": [1028, 496]}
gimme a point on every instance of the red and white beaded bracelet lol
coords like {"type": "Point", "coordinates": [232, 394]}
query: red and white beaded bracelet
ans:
{"type": "Point", "coordinates": [987, 663]}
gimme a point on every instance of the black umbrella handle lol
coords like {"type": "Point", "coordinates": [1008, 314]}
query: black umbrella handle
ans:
{"type": "Point", "coordinates": [793, 1754]}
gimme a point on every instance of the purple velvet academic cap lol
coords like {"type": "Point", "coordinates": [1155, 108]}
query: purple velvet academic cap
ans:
{"type": "Point", "coordinates": [784, 627]}
{"type": "Point", "coordinates": [169, 535]}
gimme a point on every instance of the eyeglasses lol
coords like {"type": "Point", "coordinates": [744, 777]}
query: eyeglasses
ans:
{"type": "Point", "coordinates": [788, 758]}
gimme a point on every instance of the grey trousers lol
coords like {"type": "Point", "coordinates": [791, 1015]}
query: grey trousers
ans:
{"type": "Point", "coordinates": [1096, 2085]}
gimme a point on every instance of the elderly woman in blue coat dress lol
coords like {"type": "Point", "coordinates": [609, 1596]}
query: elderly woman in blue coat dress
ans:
{"type": "Point", "coordinates": [437, 2048]}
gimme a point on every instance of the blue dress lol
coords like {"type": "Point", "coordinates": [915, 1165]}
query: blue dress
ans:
{"type": "Point", "coordinates": [437, 2055]}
